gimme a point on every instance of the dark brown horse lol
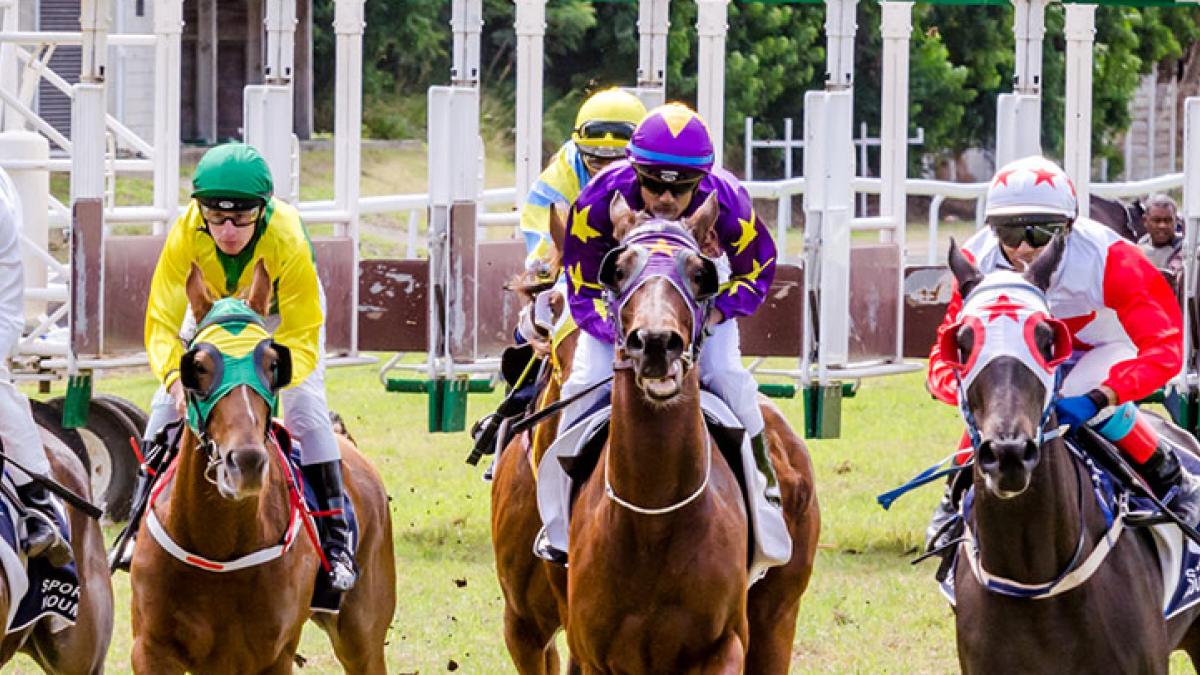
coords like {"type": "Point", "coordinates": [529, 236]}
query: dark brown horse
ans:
{"type": "Point", "coordinates": [227, 499]}
{"type": "Point", "coordinates": [80, 648]}
{"type": "Point", "coordinates": [657, 580]}
{"type": "Point", "coordinates": [532, 611]}
{"type": "Point", "coordinates": [1034, 520]}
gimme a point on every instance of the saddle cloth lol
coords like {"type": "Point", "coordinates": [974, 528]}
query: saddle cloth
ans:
{"type": "Point", "coordinates": [1178, 556]}
{"type": "Point", "coordinates": [38, 588]}
{"type": "Point", "coordinates": [574, 455]}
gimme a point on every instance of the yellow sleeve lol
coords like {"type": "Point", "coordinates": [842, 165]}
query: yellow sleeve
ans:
{"type": "Point", "coordinates": [557, 184]}
{"type": "Point", "coordinates": [298, 296]}
{"type": "Point", "coordinates": [168, 300]}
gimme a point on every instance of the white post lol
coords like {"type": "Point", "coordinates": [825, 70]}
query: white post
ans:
{"type": "Point", "coordinates": [1077, 142]}
{"type": "Point", "coordinates": [1191, 214]}
{"type": "Point", "coordinates": [1018, 115]}
{"type": "Point", "coordinates": [653, 22]}
{"type": "Point", "coordinates": [467, 23]}
{"type": "Point", "coordinates": [280, 24]}
{"type": "Point", "coordinates": [94, 24]}
{"type": "Point", "coordinates": [347, 127]}
{"type": "Point", "coordinates": [267, 110]}
{"type": "Point", "coordinates": [530, 27]}
{"type": "Point", "coordinates": [711, 25]}
{"type": "Point", "coordinates": [840, 26]}
{"type": "Point", "coordinates": [9, 66]}
{"type": "Point", "coordinates": [896, 29]}
{"type": "Point", "coordinates": [168, 26]}
{"type": "Point", "coordinates": [88, 104]}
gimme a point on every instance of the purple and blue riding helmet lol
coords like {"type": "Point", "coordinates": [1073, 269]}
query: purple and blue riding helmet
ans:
{"type": "Point", "coordinates": [672, 145]}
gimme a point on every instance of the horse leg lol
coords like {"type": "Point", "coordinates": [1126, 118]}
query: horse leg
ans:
{"type": "Point", "coordinates": [148, 658]}
{"type": "Point", "coordinates": [533, 651]}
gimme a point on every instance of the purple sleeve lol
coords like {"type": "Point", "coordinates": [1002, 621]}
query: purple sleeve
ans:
{"type": "Point", "coordinates": [751, 251]}
{"type": "Point", "coordinates": [589, 237]}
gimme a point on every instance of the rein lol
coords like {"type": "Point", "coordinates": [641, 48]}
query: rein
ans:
{"type": "Point", "coordinates": [612, 494]}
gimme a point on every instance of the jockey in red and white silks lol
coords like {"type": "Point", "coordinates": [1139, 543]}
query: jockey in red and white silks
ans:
{"type": "Point", "coordinates": [18, 432]}
{"type": "Point", "coordinates": [1125, 323]}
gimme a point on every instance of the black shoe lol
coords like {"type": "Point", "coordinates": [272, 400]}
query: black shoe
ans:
{"type": "Point", "coordinates": [334, 530]}
{"type": "Point", "coordinates": [762, 459]}
{"type": "Point", "coordinates": [543, 550]}
{"type": "Point", "coordinates": [42, 536]}
{"type": "Point", "coordinates": [941, 530]}
{"type": "Point", "coordinates": [1179, 489]}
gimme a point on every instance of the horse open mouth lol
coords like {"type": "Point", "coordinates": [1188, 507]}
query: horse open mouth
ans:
{"type": "Point", "coordinates": [665, 387]}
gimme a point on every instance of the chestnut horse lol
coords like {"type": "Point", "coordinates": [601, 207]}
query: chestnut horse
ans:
{"type": "Point", "coordinates": [227, 499]}
{"type": "Point", "coordinates": [1034, 520]}
{"type": "Point", "coordinates": [532, 611]}
{"type": "Point", "coordinates": [657, 579]}
{"type": "Point", "coordinates": [80, 648]}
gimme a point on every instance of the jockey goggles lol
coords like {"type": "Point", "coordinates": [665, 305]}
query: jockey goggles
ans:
{"type": "Point", "coordinates": [676, 182]}
{"type": "Point", "coordinates": [236, 342]}
{"type": "Point", "coordinates": [1036, 235]}
{"type": "Point", "coordinates": [604, 138]}
{"type": "Point", "coordinates": [241, 212]}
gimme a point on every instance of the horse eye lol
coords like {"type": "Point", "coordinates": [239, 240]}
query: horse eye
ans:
{"type": "Point", "coordinates": [966, 341]}
{"type": "Point", "coordinates": [618, 275]}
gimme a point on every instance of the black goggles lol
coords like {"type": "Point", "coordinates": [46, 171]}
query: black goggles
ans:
{"type": "Point", "coordinates": [598, 130]}
{"type": "Point", "coordinates": [237, 214]}
{"type": "Point", "coordinates": [657, 187]}
{"type": "Point", "coordinates": [1036, 235]}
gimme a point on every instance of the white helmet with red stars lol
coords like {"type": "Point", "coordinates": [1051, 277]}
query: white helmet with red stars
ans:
{"type": "Point", "coordinates": [1031, 186]}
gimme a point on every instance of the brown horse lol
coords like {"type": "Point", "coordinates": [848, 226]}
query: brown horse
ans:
{"type": "Point", "coordinates": [1034, 520]}
{"type": "Point", "coordinates": [228, 498]}
{"type": "Point", "coordinates": [80, 648]}
{"type": "Point", "coordinates": [532, 611]}
{"type": "Point", "coordinates": [658, 536]}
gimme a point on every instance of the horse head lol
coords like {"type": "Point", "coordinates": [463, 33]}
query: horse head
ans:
{"type": "Point", "coordinates": [232, 373]}
{"type": "Point", "coordinates": [1006, 349]}
{"type": "Point", "coordinates": [658, 288]}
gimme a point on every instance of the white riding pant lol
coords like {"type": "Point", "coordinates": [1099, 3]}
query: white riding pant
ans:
{"type": "Point", "coordinates": [19, 432]}
{"type": "Point", "coordinates": [721, 372]}
{"type": "Point", "coordinates": [1091, 368]}
{"type": "Point", "coordinates": [305, 409]}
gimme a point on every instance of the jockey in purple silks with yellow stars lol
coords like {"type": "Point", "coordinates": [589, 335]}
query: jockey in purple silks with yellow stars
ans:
{"type": "Point", "coordinates": [669, 174]}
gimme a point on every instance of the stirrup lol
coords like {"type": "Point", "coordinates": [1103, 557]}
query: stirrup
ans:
{"type": "Point", "coordinates": [544, 550]}
{"type": "Point", "coordinates": [341, 570]}
{"type": "Point", "coordinates": [56, 550]}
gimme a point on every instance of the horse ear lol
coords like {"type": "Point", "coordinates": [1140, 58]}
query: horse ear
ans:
{"type": "Point", "coordinates": [197, 293]}
{"type": "Point", "coordinates": [1043, 266]}
{"type": "Point", "coordinates": [558, 227]}
{"type": "Point", "coordinates": [702, 221]}
{"type": "Point", "coordinates": [965, 272]}
{"type": "Point", "coordinates": [622, 217]}
{"type": "Point", "coordinates": [259, 296]}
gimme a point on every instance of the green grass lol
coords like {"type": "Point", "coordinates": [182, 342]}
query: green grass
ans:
{"type": "Point", "coordinates": [867, 610]}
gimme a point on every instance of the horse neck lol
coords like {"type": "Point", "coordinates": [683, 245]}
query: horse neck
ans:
{"type": "Point", "coordinates": [656, 456]}
{"type": "Point", "coordinates": [1033, 537]}
{"type": "Point", "coordinates": [202, 521]}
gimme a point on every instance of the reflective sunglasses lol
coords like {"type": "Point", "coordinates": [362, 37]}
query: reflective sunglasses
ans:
{"type": "Point", "coordinates": [1036, 235]}
{"type": "Point", "coordinates": [598, 130]}
{"type": "Point", "coordinates": [239, 218]}
{"type": "Point", "coordinates": [657, 187]}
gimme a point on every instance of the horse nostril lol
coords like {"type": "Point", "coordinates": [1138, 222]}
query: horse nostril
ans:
{"type": "Point", "coordinates": [987, 454]}
{"type": "Point", "coordinates": [635, 341]}
{"type": "Point", "coordinates": [675, 343]}
{"type": "Point", "coordinates": [1031, 452]}
{"type": "Point", "coordinates": [247, 461]}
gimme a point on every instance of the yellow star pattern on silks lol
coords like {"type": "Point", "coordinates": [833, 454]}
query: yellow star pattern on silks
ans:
{"type": "Point", "coordinates": [749, 233]}
{"type": "Point", "coordinates": [662, 246]}
{"type": "Point", "coordinates": [576, 275]}
{"type": "Point", "coordinates": [748, 279]}
{"type": "Point", "coordinates": [601, 308]}
{"type": "Point", "coordinates": [579, 225]}
{"type": "Point", "coordinates": [677, 117]}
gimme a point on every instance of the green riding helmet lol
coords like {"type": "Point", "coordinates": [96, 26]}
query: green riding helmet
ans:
{"type": "Point", "coordinates": [233, 171]}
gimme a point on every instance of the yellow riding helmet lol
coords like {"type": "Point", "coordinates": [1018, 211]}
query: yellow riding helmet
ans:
{"type": "Point", "coordinates": [606, 121]}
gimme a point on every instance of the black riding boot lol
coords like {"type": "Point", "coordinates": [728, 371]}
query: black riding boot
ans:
{"type": "Point", "coordinates": [1164, 473]}
{"type": "Point", "coordinates": [334, 529]}
{"type": "Point", "coordinates": [158, 453]}
{"type": "Point", "coordinates": [43, 538]}
{"type": "Point", "coordinates": [940, 530]}
{"type": "Point", "coordinates": [762, 459]}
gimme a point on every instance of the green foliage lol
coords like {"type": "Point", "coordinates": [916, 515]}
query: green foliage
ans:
{"type": "Point", "coordinates": [961, 59]}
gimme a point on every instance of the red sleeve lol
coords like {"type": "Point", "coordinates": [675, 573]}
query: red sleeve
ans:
{"type": "Point", "coordinates": [1150, 315]}
{"type": "Point", "coordinates": [940, 380]}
